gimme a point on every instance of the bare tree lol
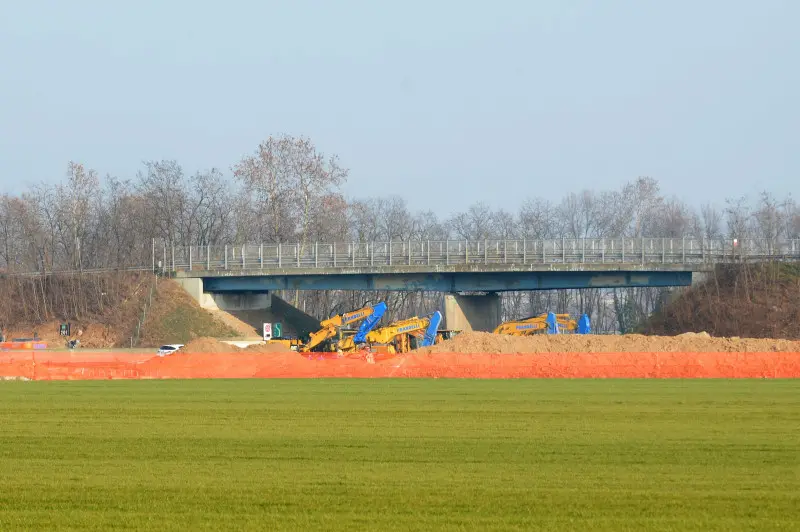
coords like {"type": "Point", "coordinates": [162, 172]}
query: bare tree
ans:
{"type": "Point", "coordinates": [289, 176]}
{"type": "Point", "coordinates": [711, 222]}
{"type": "Point", "coordinates": [164, 189]}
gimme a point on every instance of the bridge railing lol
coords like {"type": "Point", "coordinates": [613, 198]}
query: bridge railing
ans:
{"type": "Point", "coordinates": [460, 252]}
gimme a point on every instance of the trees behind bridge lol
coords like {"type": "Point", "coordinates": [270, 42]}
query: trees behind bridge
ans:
{"type": "Point", "coordinates": [287, 190]}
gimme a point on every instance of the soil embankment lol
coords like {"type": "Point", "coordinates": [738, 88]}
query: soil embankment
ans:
{"type": "Point", "coordinates": [746, 300]}
{"type": "Point", "coordinates": [103, 310]}
{"type": "Point", "coordinates": [481, 342]}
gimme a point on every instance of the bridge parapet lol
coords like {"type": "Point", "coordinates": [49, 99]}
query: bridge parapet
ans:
{"type": "Point", "coordinates": [415, 255]}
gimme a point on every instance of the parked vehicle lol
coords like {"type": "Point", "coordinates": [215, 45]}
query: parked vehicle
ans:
{"type": "Point", "coordinates": [168, 349]}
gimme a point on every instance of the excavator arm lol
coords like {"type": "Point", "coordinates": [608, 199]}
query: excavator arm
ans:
{"type": "Point", "coordinates": [550, 323]}
{"type": "Point", "coordinates": [428, 324]}
{"type": "Point", "coordinates": [330, 327]}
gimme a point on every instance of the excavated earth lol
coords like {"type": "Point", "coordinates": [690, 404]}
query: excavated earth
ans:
{"type": "Point", "coordinates": [482, 342]}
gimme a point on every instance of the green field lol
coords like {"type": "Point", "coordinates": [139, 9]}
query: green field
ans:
{"type": "Point", "coordinates": [400, 455]}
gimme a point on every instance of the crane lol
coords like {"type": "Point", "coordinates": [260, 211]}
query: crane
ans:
{"type": "Point", "coordinates": [331, 327]}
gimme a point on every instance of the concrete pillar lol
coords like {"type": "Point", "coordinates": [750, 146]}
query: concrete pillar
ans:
{"type": "Point", "coordinates": [471, 313]}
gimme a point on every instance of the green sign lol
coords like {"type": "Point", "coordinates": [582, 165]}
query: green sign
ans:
{"type": "Point", "coordinates": [64, 329]}
{"type": "Point", "coordinates": [277, 330]}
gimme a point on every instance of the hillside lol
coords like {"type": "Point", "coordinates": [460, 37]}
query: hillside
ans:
{"type": "Point", "coordinates": [177, 318]}
{"type": "Point", "coordinates": [752, 301]}
{"type": "Point", "coordinates": [104, 309]}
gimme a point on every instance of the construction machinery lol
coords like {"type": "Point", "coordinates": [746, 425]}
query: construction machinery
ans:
{"type": "Point", "coordinates": [292, 343]}
{"type": "Point", "coordinates": [330, 329]}
{"type": "Point", "coordinates": [404, 335]}
{"type": "Point", "coordinates": [549, 323]}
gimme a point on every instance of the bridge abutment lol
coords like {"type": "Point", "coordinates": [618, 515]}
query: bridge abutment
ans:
{"type": "Point", "coordinates": [472, 312]}
{"type": "Point", "coordinates": [252, 308]}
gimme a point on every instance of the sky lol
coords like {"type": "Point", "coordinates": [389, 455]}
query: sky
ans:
{"type": "Point", "coordinates": [445, 102]}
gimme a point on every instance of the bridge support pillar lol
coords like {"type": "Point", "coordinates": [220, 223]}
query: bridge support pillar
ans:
{"type": "Point", "coordinates": [471, 312]}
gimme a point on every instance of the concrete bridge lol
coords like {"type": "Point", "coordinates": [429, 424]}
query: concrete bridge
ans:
{"type": "Point", "coordinates": [455, 267]}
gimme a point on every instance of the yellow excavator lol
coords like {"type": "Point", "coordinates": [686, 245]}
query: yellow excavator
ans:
{"type": "Point", "coordinates": [542, 324]}
{"type": "Point", "coordinates": [395, 337]}
{"type": "Point", "coordinates": [331, 328]}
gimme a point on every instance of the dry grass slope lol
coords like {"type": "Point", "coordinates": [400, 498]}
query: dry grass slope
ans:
{"type": "Point", "coordinates": [755, 301]}
{"type": "Point", "coordinates": [177, 318]}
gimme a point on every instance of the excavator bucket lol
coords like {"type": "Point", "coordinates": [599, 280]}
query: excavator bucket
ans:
{"type": "Point", "coordinates": [584, 327]}
{"type": "Point", "coordinates": [552, 323]}
{"type": "Point", "coordinates": [433, 327]}
{"type": "Point", "coordinates": [370, 322]}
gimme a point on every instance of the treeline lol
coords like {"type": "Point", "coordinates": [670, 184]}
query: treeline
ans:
{"type": "Point", "coordinates": [288, 191]}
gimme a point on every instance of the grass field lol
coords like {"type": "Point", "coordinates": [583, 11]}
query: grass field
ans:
{"type": "Point", "coordinates": [400, 455]}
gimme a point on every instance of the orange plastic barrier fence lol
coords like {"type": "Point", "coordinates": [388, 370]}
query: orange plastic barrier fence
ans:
{"type": "Point", "coordinates": [83, 366]}
{"type": "Point", "coordinates": [24, 346]}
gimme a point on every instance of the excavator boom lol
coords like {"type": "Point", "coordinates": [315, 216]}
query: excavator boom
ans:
{"type": "Point", "coordinates": [412, 326]}
{"type": "Point", "coordinates": [549, 323]}
{"type": "Point", "coordinates": [330, 327]}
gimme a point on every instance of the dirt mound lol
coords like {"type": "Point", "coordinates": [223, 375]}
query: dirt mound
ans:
{"type": "Point", "coordinates": [214, 346]}
{"type": "Point", "coordinates": [230, 319]}
{"type": "Point", "coordinates": [756, 301]}
{"type": "Point", "coordinates": [208, 345]}
{"type": "Point", "coordinates": [267, 348]}
{"type": "Point", "coordinates": [482, 342]}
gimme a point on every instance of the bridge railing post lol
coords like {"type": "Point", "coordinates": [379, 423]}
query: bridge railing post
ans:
{"type": "Point", "coordinates": [316, 254]}
{"type": "Point", "coordinates": [642, 251]}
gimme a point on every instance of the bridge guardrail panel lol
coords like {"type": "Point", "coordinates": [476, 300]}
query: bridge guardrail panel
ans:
{"type": "Point", "coordinates": [629, 250]}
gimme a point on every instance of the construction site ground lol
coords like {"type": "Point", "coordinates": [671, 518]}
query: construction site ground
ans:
{"type": "Point", "coordinates": [174, 317]}
{"type": "Point", "coordinates": [474, 355]}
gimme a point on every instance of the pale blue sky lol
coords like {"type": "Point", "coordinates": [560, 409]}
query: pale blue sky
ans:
{"type": "Point", "coordinates": [445, 102]}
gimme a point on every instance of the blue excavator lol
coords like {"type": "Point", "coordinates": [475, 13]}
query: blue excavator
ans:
{"type": "Point", "coordinates": [325, 339]}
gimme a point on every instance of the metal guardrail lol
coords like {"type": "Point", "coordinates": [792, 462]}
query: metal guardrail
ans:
{"type": "Point", "coordinates": [453, 252]}
{"type": "Point", "coordinates": [674, 251]}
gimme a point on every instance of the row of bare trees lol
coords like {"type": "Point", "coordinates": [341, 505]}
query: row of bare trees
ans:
{"type": "Point", "coordinates": [288, 191]}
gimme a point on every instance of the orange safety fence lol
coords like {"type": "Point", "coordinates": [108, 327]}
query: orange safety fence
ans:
{"type": "Point", "coordinates": [109, 365]}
